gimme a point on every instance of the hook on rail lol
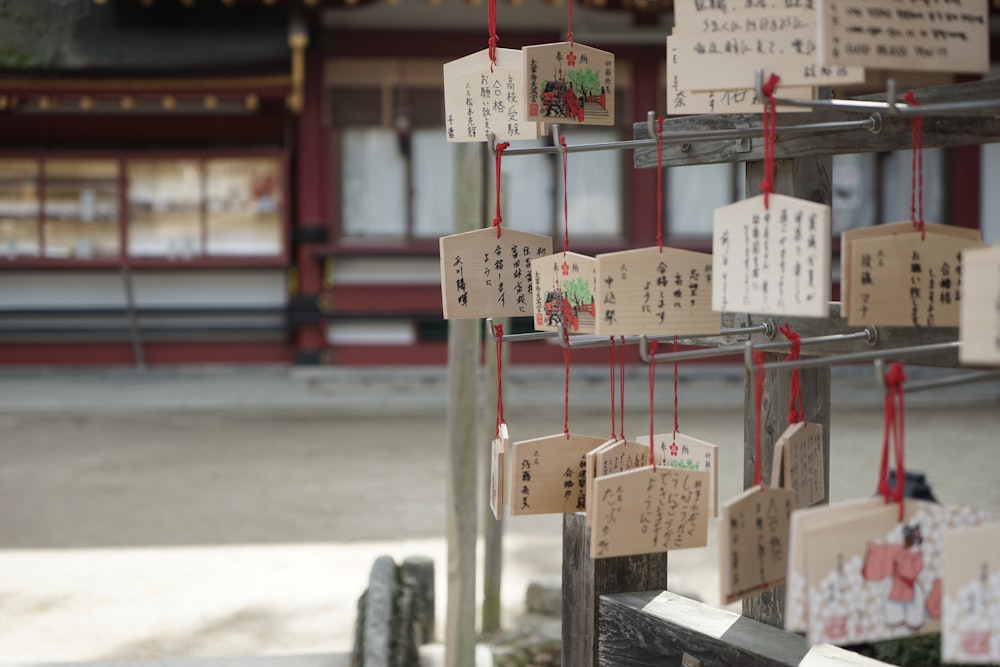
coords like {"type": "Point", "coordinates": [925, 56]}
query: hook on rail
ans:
{"type": "Point", "coordinates": [869, 334]}
{"type": "Point", "coordinates": [940, 383]}
{"type": "Point", "coordinates": [767, 327]}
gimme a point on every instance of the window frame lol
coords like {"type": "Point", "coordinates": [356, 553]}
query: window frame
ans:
{"type": "Point", "coordinates": [121, 159]}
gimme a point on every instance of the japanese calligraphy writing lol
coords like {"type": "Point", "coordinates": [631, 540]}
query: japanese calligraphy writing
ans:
{"type": "Point", "coordinates": [486, 97]}
{"type": "Point", "coordinates": [721, 46]}
{"type": "Point", "coordinates": [753, 541]}
{"type": "Point", "coordinates": [565, 289]}
{"type": "Point", "coordinates": [486, 276]}
{"type": "Point", "coordinates": [798, 464]}
{"type": "Point", "coordinates": [939, 36]}
{"type": "Point", "coordinates": [550, 474]}
{"type": "Point", "coordinates": [569, 83]}
{"type": "Point", "coordinates": [901, 280]}
{"type": "Point", "coordinates": [654, 291]}
{"type": "Point", "coordinates": [774, 260]}
{"type": "Point", "coordinates": [641, 511]}
{"type": "Point", "coordinates": [979, 312]}
{"type": "Point", "coordinates": [688, 453]}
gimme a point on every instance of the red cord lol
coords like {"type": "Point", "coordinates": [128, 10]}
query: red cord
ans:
{"type": "Point", "coordinates": [569, 23]}
{"type": "Point", "coordinates": [611, 367]}
{"type": "Point", "coordinates": [676, 422]}
{"type": "Point", "coordinates": [498, 330]}
{"type": "Point", "coordinates": [565, 165]}
{"type": "Point", "coordinates": [621, 391]}
{"type": "Point", "coordinates": [566, 399]}
{"type": "Point", "coordinates": [652, 404]}
{"type": "Point", "coordinates": [916, 168]}
{"type": "Point", "coordinates": [770, 122]}
{"type": "Point", "coordinates": [501, 147]}
{"type": "Point", "coordinates": [893, 427]}
{"type": "Point", "coordinates": [796, 410]}
{"type": "Point", "coordinates": [758, 382]}
{"type": "Point", "coordinates": [659, 183]}
{"type": "Point", "coordinates": [494, 40]}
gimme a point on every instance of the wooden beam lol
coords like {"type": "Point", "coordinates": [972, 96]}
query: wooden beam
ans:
{"type": "Point", "coordinates": [939, 131]}
{"type": "Point", "coordinates": [661, 628]}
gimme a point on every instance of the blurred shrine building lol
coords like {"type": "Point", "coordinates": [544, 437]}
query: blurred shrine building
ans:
{"type": "Point", "coordinates": [265, 181]}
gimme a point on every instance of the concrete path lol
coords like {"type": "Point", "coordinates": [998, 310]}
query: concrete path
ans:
{"type": "Point", "coordinates": [225, 512]}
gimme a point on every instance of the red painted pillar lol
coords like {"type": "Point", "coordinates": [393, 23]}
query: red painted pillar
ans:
{"type": "Point", "coordinates": [642, 182]}
{"type": "Point", "coordinates": [311, 226]}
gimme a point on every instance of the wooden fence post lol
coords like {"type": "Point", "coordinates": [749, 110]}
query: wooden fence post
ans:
{"type": "Point", "coordinates": [806, 178]}
{"type": "Point", "coordinates": [463, 365]}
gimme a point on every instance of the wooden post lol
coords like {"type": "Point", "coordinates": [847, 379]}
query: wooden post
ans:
{"type": "Point", "coordinates": [806, 178]}
{"type": "Point", "coordinates": [585, 580]}
{"type": "Point", "coordinates": [463, 362]}
{"type": "Point", "coordinates": [492, 530]}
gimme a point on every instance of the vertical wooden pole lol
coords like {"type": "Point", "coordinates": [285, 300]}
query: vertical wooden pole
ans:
{"type": "Point", "coordinates": [463, 362]}
{"type": "Point", "coordinates": [585, 580]}
{"type": "Point", "coordinates": [806, 178]}
{"type": "Point", "coordinates": [492, 530]}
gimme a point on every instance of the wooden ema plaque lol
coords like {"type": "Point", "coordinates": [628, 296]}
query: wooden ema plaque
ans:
{"type": "Point", "coordinates": [916, 36]}
{"type": "Point", "coordinates": [690, 454]}
{"type": "Point", "coordinates": [802, 521]}
{"type": "Point", "coordinates": [565, 285]}
{"type": "Point", "coordinates": [848, 238]}
{"type": "Point", "coordinates": [485, 276]}
{"type": "Point", "coordinates": [647, 291]}
{"type": "Point", "coordinates": [798, 464]}
{"type": "Point", "coordinates": [970, 627]}
{"type": "Point", "coordinates": [775, 260]}
{"type": "Point", "coordinates": [681, 101]}
{"type": "Point", "coordinates": [498, 472]}
{"type": "Point", "coordinates": [753, 542]}
{"type": "Point", "coordinates": [872, 577]}
{"type": "Point", "coordinates": [979, 314]}
{"type": "Point", "coordinates": [905, 281]}
{"type": "Point", "coordinates": [723, 43]}
{"type": "Point", "coordinates": [480, 98]}
{"type": "Point", "coordinates": [643, 512]}
{"type": "Point", "coordinates": [550, 474]}
{"type": "Point", "coordinates": [569, 83]}
{"type": "Point", "coordinates": [592, 472]}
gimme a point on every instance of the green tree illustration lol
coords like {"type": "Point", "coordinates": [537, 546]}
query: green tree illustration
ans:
{"type": "Point", "coordinates": [577, 290]}
{"type": "Point", "coordinates": [584, 80]}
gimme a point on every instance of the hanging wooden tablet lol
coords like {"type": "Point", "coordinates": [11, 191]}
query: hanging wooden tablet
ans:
{"type": "Point", "coordinates": [723, 43]}
{"type": "Point", "coordinates": [498, 472]}
{"type": "Point", "coordinates": [486, 276]}
{"type": "Point", "coordinates": [565, 284]}
{"type": "Point", "coordinates": [979, 313]}
{"type": "Point", "coordinates": [734, 100]}
{"type": "Point", "coordinates": [803, 520]}
{"type": "Point", "coordinates": [618, 456]}
{"type": "Point", "coordinates": [903, 280]}
{"type": "Point", "coordinates": [753, 542]}
{"type": "Point", "coordinates": [649, 291]}
{"type": "Point", "coordinates": [569, 83]}
{"type": "Point", "coordinates": [874, 577]}
{"type": "Point", "coordinates": [689, 454]}
{"type": "Point", "coordinates": [775, 260]}
{"type": "Point", "coordinates": [550, 474]}
{"type": "Point", "coordinates": [970, 631]}
{"type": "Point", "coordinates": [893, 35]}
{"type": "Point", "coordinates": [847, 239]}
{"type": "Point", "coordinates": [592, 472]}
{"type": "Point", "coordinates": [643, 511]}
{"type": "Point", "coordinates": [798, 464]}
{"type": "Point", "coordinates": [481, 97]}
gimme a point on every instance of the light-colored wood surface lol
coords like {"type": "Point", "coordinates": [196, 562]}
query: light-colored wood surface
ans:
{"type": "Point", "coordinates": [772, 260]}
{"type": "Point", "coordinates": [553, 73]}
{"type": "Point", "coordinates": [649, 291]}
{"type": "Point", "coordinates": [549, 474]}
{"type": "Point", "coordinates": [753, 542]}
{"type": "Point", "coordinates": [480, 98]}
{"type": "Point", "coordinates": [971, 599]}
{"type": "Point", "coordinates": [498, 476]}
{"type": "Point", "coordinates": [802, 469]}
{"type": "Point", "coordinates": [485, 276]}
{"type": "Point", "coordinates": [886, 34]}
{"type": "Point", "coordinates": [592, 472]}
{"type": "Point", "coordinates": [903, 280]}
{"type": "Point", "coordinates": [979, 314]}
{"type": "Point", "coordinates": [566, 283]}
{"type": "Point", "coordinates": [643, 511]}
{"type": "Point", "coordinates": [690, 454]}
